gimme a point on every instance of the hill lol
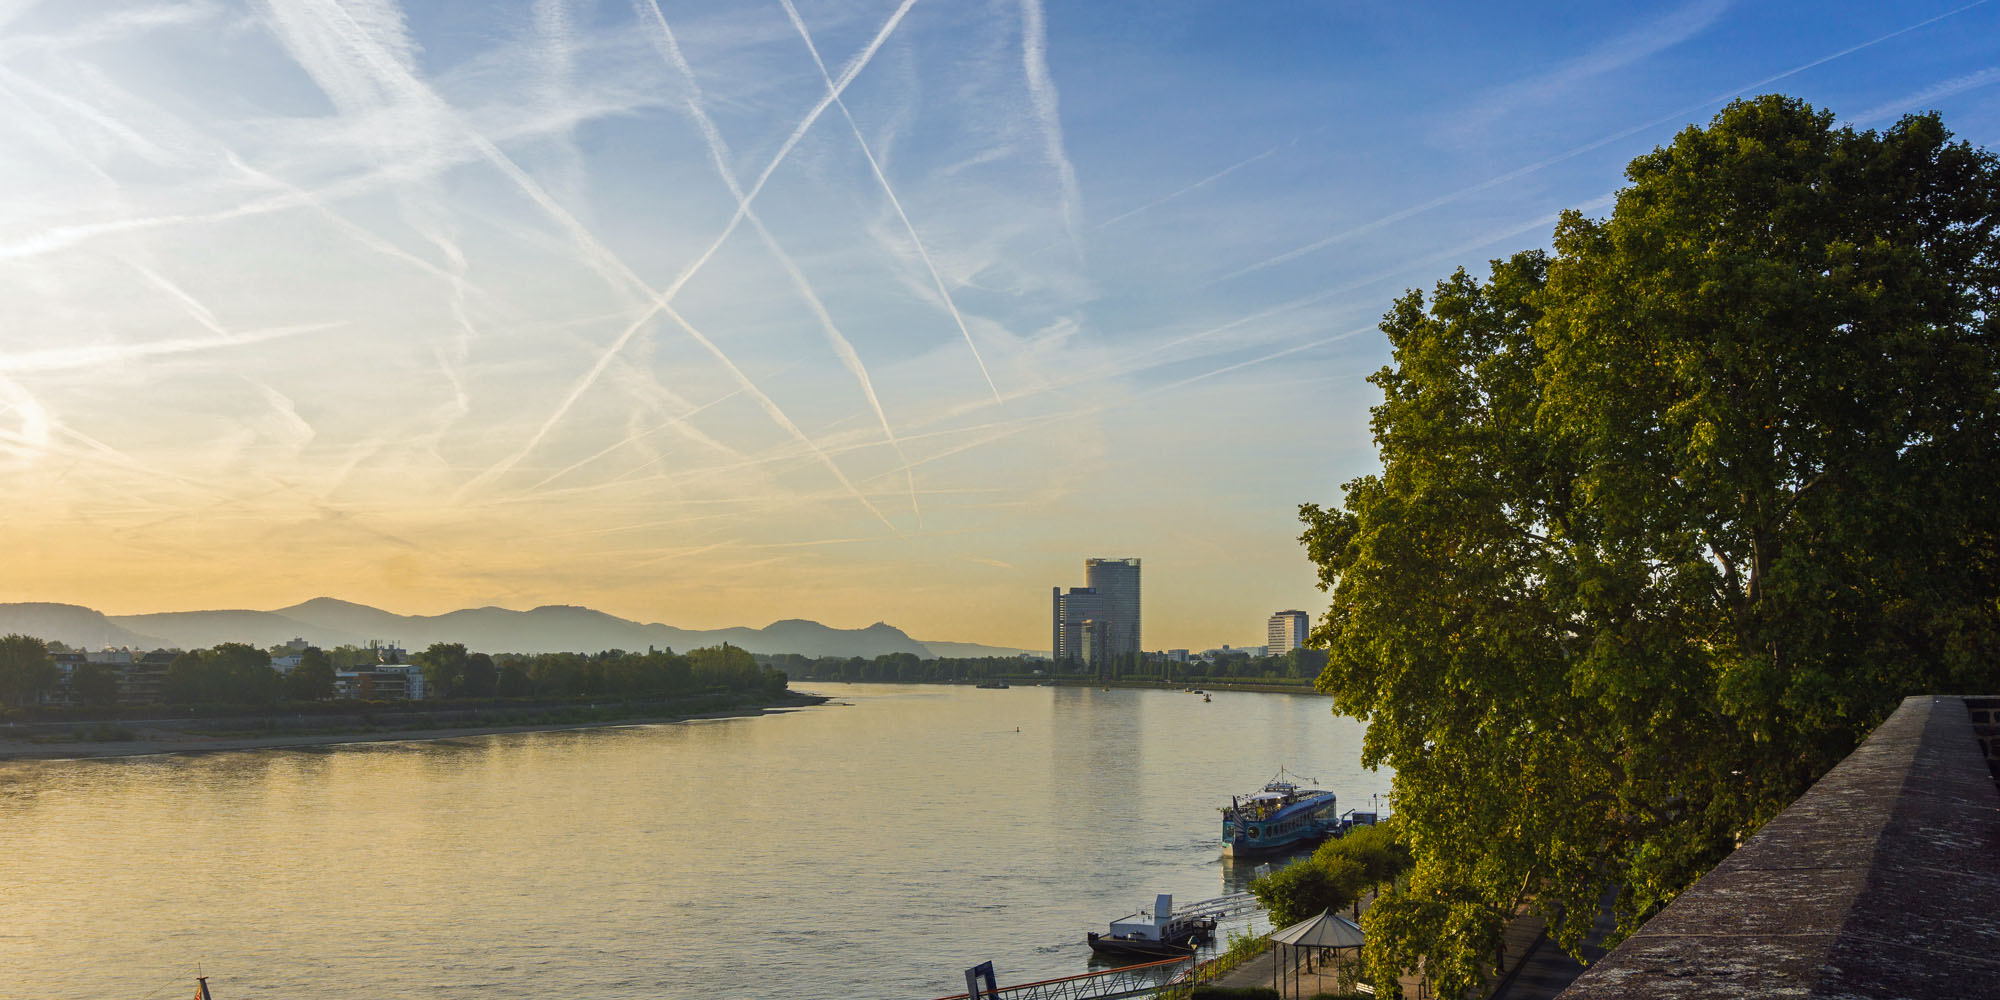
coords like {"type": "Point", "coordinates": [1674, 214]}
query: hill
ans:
{"type": "Point", "coordinates": [329, 622]}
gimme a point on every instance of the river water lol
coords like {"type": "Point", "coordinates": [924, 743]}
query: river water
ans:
{"type": "Point", "coordinates": [871, 848]}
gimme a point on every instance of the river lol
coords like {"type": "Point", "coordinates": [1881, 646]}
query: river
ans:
{"type": "Point", "coordinates": [872, 847]}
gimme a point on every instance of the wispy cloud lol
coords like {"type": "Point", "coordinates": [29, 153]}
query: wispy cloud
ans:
{"type": "Point", "coordinates": [1606, 57]}
{"type": "Point", "coordinates": [1677, 115]}
{"type": "Point", "coordinates": [944, 293]}
{"type": "Point", "coordinates": [1048, 115]}
{"type": "Point", "coordinates": [719, 156]}
{"type": "Point", "coordinates": [1922, 100]}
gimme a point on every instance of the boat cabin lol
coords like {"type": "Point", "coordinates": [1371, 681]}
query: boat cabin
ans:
{"type": "Point", "coordinates": [1147, 925]}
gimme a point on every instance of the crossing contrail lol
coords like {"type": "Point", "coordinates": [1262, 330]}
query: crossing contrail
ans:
{"type": "Point", "coordinates": [365, 57]}
{"type": "Point", "coordinates": [895, 202]}
{"type": "Point", "coordinates": [719, 153]}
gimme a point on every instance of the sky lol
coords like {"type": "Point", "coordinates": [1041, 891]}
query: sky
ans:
{"type": "Point", "coordinates": [713, 314]}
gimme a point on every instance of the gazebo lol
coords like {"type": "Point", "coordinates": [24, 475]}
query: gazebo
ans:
{"type": "Point", "coordinates": [1312, 938]}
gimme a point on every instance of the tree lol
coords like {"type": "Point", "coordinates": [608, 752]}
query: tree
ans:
{"type": "Point", "coordinates": [26, 672]}
{"type": "Point", "coordinates": [94, 684]}
{"type": "Point", "coordinates": [443, 664]}
{"type": "Point", "coordinates": [481, 676]}
{"type": "Point", "coordinates": [513, 682]}
{"type": "Point", "coordinates": [1308, 887]}
{"type": "Point", "coordinates": [1667, 521]}
{"type": "Point", "coordinates": [313, 678]}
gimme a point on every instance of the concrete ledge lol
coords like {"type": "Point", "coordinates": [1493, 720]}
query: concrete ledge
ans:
{"type": "Point", "coordinates": [1882, 880]}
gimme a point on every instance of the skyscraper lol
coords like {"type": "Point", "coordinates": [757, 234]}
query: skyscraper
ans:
{"type": "Point", "coordinates": [1288, 630]}
{"type": "Point", "coordinates": [1108, 608]}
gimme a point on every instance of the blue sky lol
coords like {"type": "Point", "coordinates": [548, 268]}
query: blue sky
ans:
{"type": "Point", "coordinates": [434, 305]}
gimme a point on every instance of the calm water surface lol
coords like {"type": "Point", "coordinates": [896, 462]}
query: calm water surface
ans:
{"type": "Point", "coordinates": [872, 849]}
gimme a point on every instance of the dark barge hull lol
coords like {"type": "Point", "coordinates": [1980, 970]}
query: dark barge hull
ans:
{"type": "Point", "coordinates": [1105, 944]}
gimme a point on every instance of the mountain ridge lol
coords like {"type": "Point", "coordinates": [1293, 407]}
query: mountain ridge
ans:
{"type": "Point", "coordinates": [549, 628]}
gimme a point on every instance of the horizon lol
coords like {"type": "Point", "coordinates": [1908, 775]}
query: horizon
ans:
{"type": "Point", "coordinates": [616, 306]}
{"type": "Point", "coordinates": [878, 623]}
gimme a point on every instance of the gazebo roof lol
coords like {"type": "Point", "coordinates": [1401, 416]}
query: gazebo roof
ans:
{"type": "Point", "coordinates": [1328, 930]}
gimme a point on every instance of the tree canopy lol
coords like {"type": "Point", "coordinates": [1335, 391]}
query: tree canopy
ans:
{"type": "Point", "coordinates": [26, 672]}
{"type": "Point", "coordinates": [1669, 519]}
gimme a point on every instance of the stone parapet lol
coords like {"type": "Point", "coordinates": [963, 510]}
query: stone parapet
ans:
{"type": "Point", "coordinates": [1880, 881]}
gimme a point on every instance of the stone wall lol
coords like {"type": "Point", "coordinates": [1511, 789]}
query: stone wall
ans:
{"type": "Point", "coordinates": [1881, 881]}
{"type": "Point", "coordinates": [1986, 725]}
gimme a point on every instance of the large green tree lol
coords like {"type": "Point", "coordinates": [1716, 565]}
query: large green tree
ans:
{"type": "Point", "coordinates": [1669, 519]}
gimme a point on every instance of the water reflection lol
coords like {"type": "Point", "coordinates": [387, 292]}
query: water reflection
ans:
{"type": "Point", "coordinates": [874, 849]}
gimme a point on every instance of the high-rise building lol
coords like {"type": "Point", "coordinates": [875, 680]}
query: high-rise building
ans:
{"type": "Point", "coordinates": [1099, 621]}
{"type": "Point", "coordinates": [1288, 630]}
{"type": "Point", "coordinates": [1072, 610]}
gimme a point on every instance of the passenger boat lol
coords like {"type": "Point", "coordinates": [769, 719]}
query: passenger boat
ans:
{"type": "Point", "coordinates": [1154, 933]}
{"type": "Point", "coordinates": [992, 685]}
{"type": "Point", "coordinates": [1281, 817]}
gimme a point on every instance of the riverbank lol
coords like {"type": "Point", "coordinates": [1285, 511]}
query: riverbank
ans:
{"type": "Point", "coordinates": [143, 739]}
{"type": "Point", "coordinates": [1263, 686]}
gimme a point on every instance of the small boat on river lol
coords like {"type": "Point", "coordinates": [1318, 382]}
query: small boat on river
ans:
{"type": "Point", "coordinates": [1282, 817]}
{"type": "Point", "coordinates": [1154, 933]}
{"type": "Point", "coordinates": [992, 685]}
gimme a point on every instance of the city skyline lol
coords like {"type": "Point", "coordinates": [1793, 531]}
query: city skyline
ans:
{"type": "Point", "coordinates": [715, 315]}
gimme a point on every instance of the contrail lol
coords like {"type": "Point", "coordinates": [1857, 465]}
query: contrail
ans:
{"type": "Point", "coordinates": [631, 438]}
{"type": "Point", "coordinates": [719, 153]}
{"type": "Point", "coordinates": [1210, 179]}
{"type": "Point", "coordinates": [1042, 94]}
{"type": "Point", "coordinates": [778, 417]}
{"type": "Point", "coordinates": [1946, 88]}
{"type": "Point", "coordinates": [662, 300]}
{"type": "Point", "coordinates": [390, 72]}
{"type": "Point", "coordinates": [1448, 254]}
{"type": "Point", "coordinates": [1678, 115]}
{"type": "Point", "coordinates": [897, 203]}
{"type": "Point", "coordinates": [847, 76]}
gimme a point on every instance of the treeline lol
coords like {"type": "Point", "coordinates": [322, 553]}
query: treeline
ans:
{"type": "Point", "coordinates": [1301, 665]}
{"type": "Point", "coordinates": [238, 674]}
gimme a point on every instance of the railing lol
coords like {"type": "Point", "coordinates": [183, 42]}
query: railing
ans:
{"type": "Point", "coordinates": [1235, 904]}
{"type": "Point", "coordinates": [1172, 977]}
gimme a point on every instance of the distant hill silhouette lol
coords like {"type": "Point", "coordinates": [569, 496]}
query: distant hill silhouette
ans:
{"type": "Point", "coordinates": [328, 622]}
{"type": "Point", "coordinates": [73, 624]}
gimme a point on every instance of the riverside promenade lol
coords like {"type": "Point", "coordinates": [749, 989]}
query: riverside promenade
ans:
{"type": "Point", "coordinates": [1536, 969]}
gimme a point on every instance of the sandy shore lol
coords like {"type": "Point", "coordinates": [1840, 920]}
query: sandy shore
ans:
{"type": "Point", "coordinates": [162, 741]}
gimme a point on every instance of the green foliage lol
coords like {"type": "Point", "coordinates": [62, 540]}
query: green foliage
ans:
{"type": "Point", "coordinates": [94, 684]}
{"type": "Point", "coordinates": [443, 664]}
{"type": "Point", "coordinates": [232, 673]}
{"type": "Point", "coordinates": [26, 672]}
{"type": "Point", "coordinates": [1242, 947]}
{"type": "Point", "coordinates": [1208, 992]}
{"type": "Point", "coordinates": [513, 682]}
{"type": "Point", "coordinates": [481, 676]}
{"type": "Point", "coordinates": [1334, 877]}
{"type": "Point", "coordinates": [312, 679]}
{"type": "Point", "coordinates": [1667, 521]}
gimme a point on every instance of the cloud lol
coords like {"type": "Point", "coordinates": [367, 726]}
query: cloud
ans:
{"type": "Point", "coordinates": [1675, 116]}
{"type": "Point", "coordinates": [1048, 115]}
{"type": "Point", "coordinates": [1921, 101]}
{"type": "Point", "coordinates": [944, 294]}
{"type": "Point", "coordinates": [1604, 58]}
